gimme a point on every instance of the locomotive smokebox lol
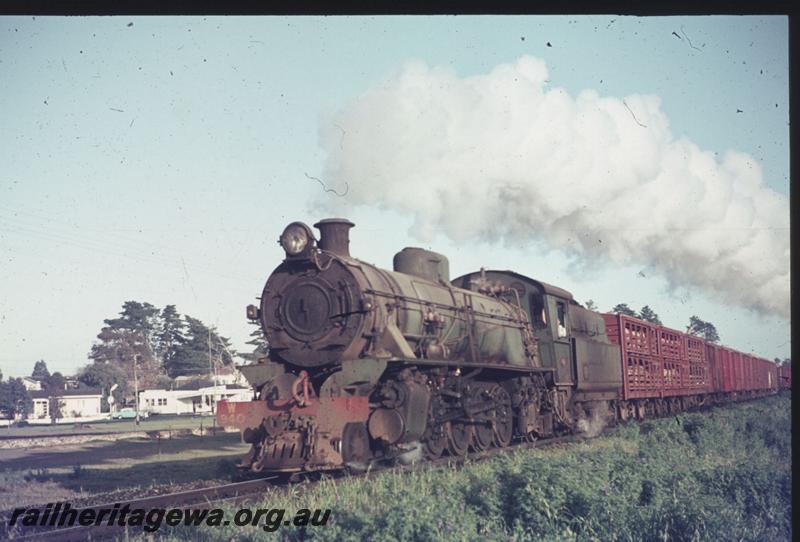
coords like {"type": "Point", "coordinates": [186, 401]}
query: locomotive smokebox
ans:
{"type": "Point", "coordinates": [335, 235]}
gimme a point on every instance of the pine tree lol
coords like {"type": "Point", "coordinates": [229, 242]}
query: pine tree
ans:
{"type": "Point", "coordinates": [40, 371]}
{"type": "Point", "coordinates": [131, 336]}
{"type": "Point", "coordinates": [142, 317]}
{"type": "Point", "coordinates": [649, 315]}
{"type": "Point", "coordinates": [171, 334]}
{"type": "Point", "coordinates": [120, 347]}
{"type": "Point", "coordinates": [703, 329]}
{"type": "Point", "coordinates": [203, 350]}
{"type": "Point", "coordinates": [260, 346]}
{"type": "Point", "coordinates": [623, 308]}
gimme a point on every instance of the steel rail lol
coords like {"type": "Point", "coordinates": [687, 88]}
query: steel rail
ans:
{"type": "Point", "coordinates": [225, 492]}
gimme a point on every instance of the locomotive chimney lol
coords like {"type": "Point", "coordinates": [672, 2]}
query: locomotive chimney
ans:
{"type": "Point", "coordinates": [335, 235]}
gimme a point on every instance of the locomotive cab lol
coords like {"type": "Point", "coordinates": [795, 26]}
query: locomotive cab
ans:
{"type": "Point", "coordinates": [572, 340]}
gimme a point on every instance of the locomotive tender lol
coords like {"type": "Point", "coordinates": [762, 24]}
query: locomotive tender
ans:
{"type": "Point", "coordinates": [368, 364]}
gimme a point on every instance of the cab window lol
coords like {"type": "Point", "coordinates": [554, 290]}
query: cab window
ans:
{"type": "Point", "coordinates": [538, 318]}
{"type": "Point", "coordinates": [561, 311]}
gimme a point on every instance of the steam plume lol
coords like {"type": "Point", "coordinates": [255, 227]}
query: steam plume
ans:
{"type": "Point", "coordinates": [500, 157]}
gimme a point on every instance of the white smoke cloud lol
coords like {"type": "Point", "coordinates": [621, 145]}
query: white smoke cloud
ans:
{"type": "Point", "coordinates": [501, 157]}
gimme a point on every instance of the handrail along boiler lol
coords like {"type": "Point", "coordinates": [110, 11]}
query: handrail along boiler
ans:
{"type": "Point", "coordinates": [367, 364]}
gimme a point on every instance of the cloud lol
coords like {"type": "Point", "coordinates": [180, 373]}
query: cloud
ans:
{"type": "Point", "coordinates": [500, 157]}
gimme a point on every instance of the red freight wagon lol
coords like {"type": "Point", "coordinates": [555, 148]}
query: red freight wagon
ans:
{"type": "Point", "coordinates": [776, 381]}
{"type": "Point", "coordinates": [714, 366]}
{"type": "Point", "coordinates": [759, 374]}
{"type": "Point", "coordinates": [719, 366]}
{"type": "Point", "coordinates": [642, 371]}
{"type": "Point", "coordinates": [673, 356]}
{"type": "Point", "coordinates": [658, 361]}
{"type": "Point", "coordinates": [785, 377]}
{"type": "Point", "coordinates": [736, 368]}
{"type": "Point", "coordinates": [767, 380]}
{"type": "Point", "coordinates": [773, 373]}
{"type": "Point", "coordinates": [747, 366]}
{"type": "Point", "coordinates": [698, 369]}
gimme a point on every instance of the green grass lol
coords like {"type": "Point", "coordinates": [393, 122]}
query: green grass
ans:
{"type": "Point", "coordinates": [42, 475]}
{"type": "Point", "coordinates": [724, 474]}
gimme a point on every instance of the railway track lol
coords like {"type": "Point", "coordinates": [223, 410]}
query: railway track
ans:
{"type": "Point", "coordinates": [236, 493]}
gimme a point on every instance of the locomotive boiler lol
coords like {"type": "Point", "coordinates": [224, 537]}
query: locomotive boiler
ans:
{"type": "Point", "coordinates": [368, 365]}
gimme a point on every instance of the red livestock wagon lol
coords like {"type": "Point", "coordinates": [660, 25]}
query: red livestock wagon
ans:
{"type": "Point", "coordinates": [658, 361]}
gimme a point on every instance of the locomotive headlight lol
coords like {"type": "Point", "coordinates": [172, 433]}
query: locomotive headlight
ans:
{"type": "Point", "coordinates": [295, 238]}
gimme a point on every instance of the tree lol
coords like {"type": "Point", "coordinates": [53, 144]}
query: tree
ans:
{"type": "Point", "coordinates": [703, 329]}
{"type": "Point", "coordinates": [649, 315]}
{"type": "Point", "coordinates": [104, 376]}
{"type": "Point", "coordinates": [164, 382]}
{"type": "Point", "coordinates": [171, 334]}
{"type": "Point", "coordinates": [14, 399]}
{"type": "Point", "coordinates": [203, 350]}
{"type": "Point", "coordinates": [134, 332]}
{"type": "Point", "coordinates": [162, 341]}
{"type": "Point", "coordinates": [120, 347]}
{"type": "Point", "coordinates": [54, 383]}
{"type": "Point", "coordinates": [54, 386]}
{"type": "Point", "coordinates": [135, 316]}
{"type": "Point", "coordinates": [260, 344]}
{"type": "Point", "coordinates": [40, 371]}
{"type": "Point", "coordinates": [591, 305]}
{"type": "Point", "coordinates": [623, 308]}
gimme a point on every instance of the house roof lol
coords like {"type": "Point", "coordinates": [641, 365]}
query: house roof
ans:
{"type": "Point", "coordinates": [198, 385]}
{"type": "Point", "coordinates": [195, 385]}
{"type": "Point", "coordinates": [42, 394]}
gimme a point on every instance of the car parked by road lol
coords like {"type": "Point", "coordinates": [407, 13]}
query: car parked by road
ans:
{"type": "Point", "coordinates": [128, 413]}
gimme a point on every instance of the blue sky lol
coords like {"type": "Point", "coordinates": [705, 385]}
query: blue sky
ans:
{"type": "Point", "coordinates": [159, 161]}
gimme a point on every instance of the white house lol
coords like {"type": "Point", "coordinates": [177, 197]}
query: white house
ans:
{"type": "Point", "coordinates": [195, 398]}
{"type": "Point", "coordinates": [76, 405]}
{"type": "Point", "coordinates": [225, 375]}
{"type": "Point", "coordinates": [31, 384]}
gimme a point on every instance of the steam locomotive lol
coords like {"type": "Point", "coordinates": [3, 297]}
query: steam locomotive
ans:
{"type": "Point", "coordinates": [367, 364]}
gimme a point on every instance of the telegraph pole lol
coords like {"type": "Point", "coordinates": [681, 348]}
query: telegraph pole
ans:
{"type": "Point", "coordinates": [136, 387]}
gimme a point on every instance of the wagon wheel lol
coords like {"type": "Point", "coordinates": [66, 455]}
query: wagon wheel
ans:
{"type": "Point", "coordinates": [504, 419]}
{"type": "Point", "coordinates": [459, 437]}
{"type": "Point", "coordinates": [434, 445]}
